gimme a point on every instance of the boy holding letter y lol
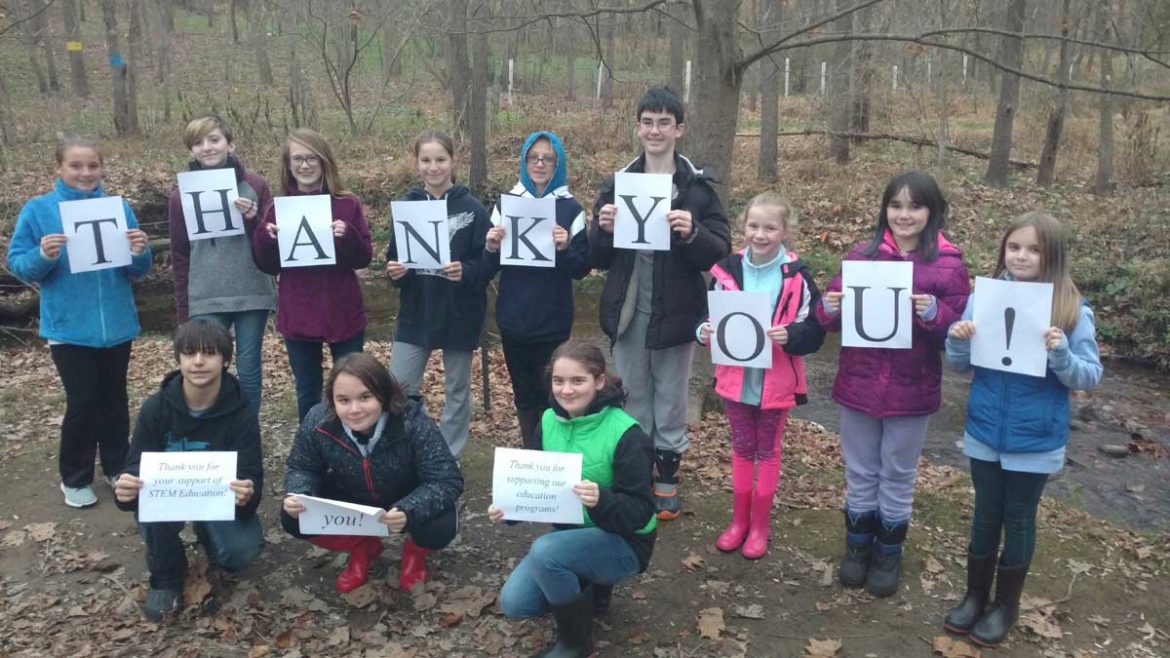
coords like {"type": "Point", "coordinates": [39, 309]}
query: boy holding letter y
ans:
{"type": "Point", "coordinates": [652, 300]}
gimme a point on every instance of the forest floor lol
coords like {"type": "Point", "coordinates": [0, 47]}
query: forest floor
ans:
{"type": "Point", "coordinates": [71, 580]}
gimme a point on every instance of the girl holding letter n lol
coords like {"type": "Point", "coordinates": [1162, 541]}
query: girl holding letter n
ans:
{"type": "Point", "coordinates": [572, 570]}
{"type": "Point", "coordinates": [888, 395]}
{"type": "Point", "coordinates": [88, 318]}
{"type": "Point", "coordinates": [368, 444]}
{"type": "Point", "coordinates": [317, 305]}
{"type": "Point", "coordinates": [1017, 428]}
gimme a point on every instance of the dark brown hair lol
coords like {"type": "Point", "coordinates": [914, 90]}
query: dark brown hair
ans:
{"type": "Point", "coordinates": [442, 139]}
{"type": "Point", "coordinates": [592, 359]}
{"type": "Point", "coordinates": [66, 142]}
{"type": "Point", "coordinates": [205, 336]}
{"type": "Point", "coordinates": [373, 375]}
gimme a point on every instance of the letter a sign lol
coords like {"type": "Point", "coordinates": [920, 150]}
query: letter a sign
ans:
{"type": "Point", "coordinates": [876, 310]}
{"type": "Point", "coordinates": [528, 231]}
{"type": "Point", "coordinates": [642, 202]}
{"type": "Point", "coordinates": [421, 233]}
{"type": "Point", "coordinates": [209, 209]}
{"type": "Point", "coordinates": [305, 230]}
{"type": "Point", "coordinates": [739, 325]}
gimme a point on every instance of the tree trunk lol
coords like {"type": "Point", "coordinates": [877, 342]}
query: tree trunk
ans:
{"type": "Point", "coordinates": [1046, 173]}
{"type": "Point", "coordinates": [610, 66]}
{"type": "Point", "coordinates": [1103, 181]}
{"type": "Point", "coordinates": [678, 37]}
{"type": "Point", "coordinates": [123, 124]}
{"type": "Point", "coordinates": [458, 68]}
{"type": "Point", "coordinates": [770, 14]}
{"type": "Point", "coordinates": [1012, 50]}
{"type": "Point", "coordinates": [45, 41]}
{"type": "Point", "coordinates": [864, 74]}
{"type": "Point", "coordinates": [569, 33]}
{"type": "Point", "coordinates": [838, 92]}
{"type": "Point", "coordinates": [257, 18]}
{"type": "Point", "coordinates": [299, 100]}
{"type": "Point", "coordinates": [478, 110]}
{"type": "Point", "coordinates": [74, 47]}
{"type": "Point", "coordinates": [29, 33]}
{"type": "Point", "coordinates": [136, 60]}
{"type": "Point", "coordinates": [232, 20]}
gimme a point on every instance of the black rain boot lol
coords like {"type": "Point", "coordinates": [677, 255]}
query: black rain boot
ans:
{"type": "Point", "coordinates": [574, 628]}
{"type": "Point", "coordinates": [601, 598]}
{"type": "Point", "coordinates": [528, 419]}
{"type": "Point", "coordinates": [980, 573]}
{"type": "Point", "coordinates": [859, 533]}
{"type": "Point", "coordinates": [993, 627]}
{"type": "Point", "coordinates": [885, 570]}
{"type": "Point", "coordinates": [666, 500]}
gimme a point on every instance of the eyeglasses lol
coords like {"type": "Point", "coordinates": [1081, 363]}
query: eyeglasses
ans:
{"type": "Point", "coordinates": [304, 160]}
{"type": "Point", "coordinates": [550, 160]}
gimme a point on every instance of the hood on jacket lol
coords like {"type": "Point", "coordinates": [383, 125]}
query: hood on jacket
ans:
{"type": "Point", "coordinates": [230, 398]}
{"type": "Point", "coordinates": [419, 193]}
{"type": "Point", "coordinates": [945, 248]}
{"type": "Point", "coordinates": [560, 174]}
{"type": "Point", "coordinates": [608, 396]}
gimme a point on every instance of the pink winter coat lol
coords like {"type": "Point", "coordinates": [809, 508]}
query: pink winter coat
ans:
{"type": "Point", "coordinates": [884, 382]}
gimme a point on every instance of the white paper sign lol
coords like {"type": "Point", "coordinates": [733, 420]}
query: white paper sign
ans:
{"type": "Point", "coordinates": [187, 486]}
{"type": "Point", "coordinates": [305, 230]}
{"type": "Point", "coordinates": [876, 310]}
{"type": "Point", "coordinates": [334, 517]}
{"type": "Point", "coordinates": [528, 231]}
{"type": "Point", "coordinates": [1010, 320]}
{"type": "Point", "coordinates": [739, 322]}
{"type": "Point", "coordinates": [534, 485]}
{"type": "Point", "coordinates": [642, 202]}
{"type": "Point", "coordinates": [96, 233]}
{"type": "Point", "coordinates": [208, 198]}
{"type": "Point", "coordinates": [421, 233]}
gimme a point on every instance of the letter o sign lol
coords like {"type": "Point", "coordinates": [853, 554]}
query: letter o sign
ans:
{"type": "Point", "coordinates": [721, 336]}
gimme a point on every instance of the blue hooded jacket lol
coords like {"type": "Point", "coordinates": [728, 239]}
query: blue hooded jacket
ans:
{"type": "Point", "coordinates": [89, 309]}
{"type": "Point", "coordinates": [536, 303]}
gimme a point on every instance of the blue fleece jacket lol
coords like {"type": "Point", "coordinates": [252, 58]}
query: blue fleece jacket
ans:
{"type": "Point", "coordinates": [89, 309]}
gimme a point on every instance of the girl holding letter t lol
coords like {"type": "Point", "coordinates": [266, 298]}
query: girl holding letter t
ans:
{"type": "Point", "coordinates": [1017, 428]}
{"type": "Point", "coordinates": [323, 304]}
{"type": "Point", "coordinates": [88, 318]}
{"type": "Point", "coordinates": [368, 444]}
{"type": "Point", "coordinates": [888, 395]}
{"type": "Point", "coordinates": [757, 401]}
{"type": "Point", "coordinates": [572, 570]}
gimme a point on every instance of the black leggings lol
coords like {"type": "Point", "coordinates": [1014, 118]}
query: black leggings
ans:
{"type": "Point", "coordinates": [97, 411]}
{"type": "Point", "coordinates": [1005, 500]}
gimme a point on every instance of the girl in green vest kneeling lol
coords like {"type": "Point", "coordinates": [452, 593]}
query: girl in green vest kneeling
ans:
{"type": "Point", "coordinates": [571, 571]}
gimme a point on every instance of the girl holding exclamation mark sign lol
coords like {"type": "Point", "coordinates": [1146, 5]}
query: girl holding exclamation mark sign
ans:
{"type": "Point", "coordinates": [1017, 427]}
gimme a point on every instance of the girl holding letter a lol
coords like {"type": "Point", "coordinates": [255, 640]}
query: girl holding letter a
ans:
{"type": "Point", "coordinates": [1017, 428]}
{"type": "Point", "coordinates": [572, 570]}
{"type": "Point", "coordinates": [757, 401]}
{"type": "Point", "coordinates": [368, 444]}
{"type": "Point", "coordinates": [442, 309]}
{"type": "Point", "coordinates": [887, 395]}
{"type": "Point", "coordinates": [317, 305]}
{"type": "Point", "coordinates": [88, 318]}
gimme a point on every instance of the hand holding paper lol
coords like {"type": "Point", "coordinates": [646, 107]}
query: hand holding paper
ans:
{"type": "Point", "coordinates": [588, 492]}
{"type": "Point", "coordinates": [322, 516]}
{"type": "Point", "coordinates": [532, 485]}
{"type": "Point", "coordinates": [395, 519]}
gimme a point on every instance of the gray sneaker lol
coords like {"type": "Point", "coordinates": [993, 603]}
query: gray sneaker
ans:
{"type": "Point", "coordinates": [79, 496]}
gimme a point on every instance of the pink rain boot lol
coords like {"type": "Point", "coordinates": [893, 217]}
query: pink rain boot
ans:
{"type": "Point", "coordinates": [741, 485]}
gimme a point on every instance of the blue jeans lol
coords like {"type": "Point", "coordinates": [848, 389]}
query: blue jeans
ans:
{"type": "Point", "coordinates": [230, 545]}
{"type": "Point", "coordinates": [552, 572]}
{"type": "Point", "coordinates": [304, 357]}
{"type": "Point", "coordinates": [249, 329]}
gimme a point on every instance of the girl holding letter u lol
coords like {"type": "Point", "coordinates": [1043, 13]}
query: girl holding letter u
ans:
{"type": "Point", "coordinates": [320, 305]}
{"type": "Point", "coordinates": [1017, 428]}
{"type": "Point", "coordinates": [888, 395]}
{"type": "Point", "coordinates": [88, 318]}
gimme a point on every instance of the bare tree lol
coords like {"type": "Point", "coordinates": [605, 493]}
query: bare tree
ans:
{"type": "Point", "coordinates": [839, 92]}
{"type": "Point", "coordinates": [677, 34]}
{"type": "Point", "coordinates": [73, 46]}
{"type": "Point", "coordinates": [1103, 181]}
{"type": "Point", "coordinates": [134, 7]}
{"type": "Point", "coordinates": [770, 14]}
{"type": "Point", "coordinates": [1012, 49]}
{"type": "Point", "coordinates": [1046, 172]}
{"type": "Point", "coordinates": [300, 97]}
{"type": "Point", "coordinates": [125, 118]}
{"type": "Point", "coordinates": [607, 81]}
{"type": "Point", "coordinates": [29, 32]}
{"type": "Point", "coordinates": [40, 25]}
{"type": "Point", "coordinates": [257, 17]}
{"type": "Point", "coordinates": [478, 108]}
{"type": "Point", "coordinates": [340, 44]}
{"type": "Point", "coordinates": [458, 67]}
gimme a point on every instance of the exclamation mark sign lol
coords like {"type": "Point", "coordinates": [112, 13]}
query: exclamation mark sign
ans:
{"type": "Point", "coordinates": [1009, 320]}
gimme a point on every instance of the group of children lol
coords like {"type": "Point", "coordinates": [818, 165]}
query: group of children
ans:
{"type": "Point", "coordinates": [629, 426]}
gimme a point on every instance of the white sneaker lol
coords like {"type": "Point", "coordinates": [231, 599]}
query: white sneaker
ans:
{"type": "Point", "coordinates": [79, 496]}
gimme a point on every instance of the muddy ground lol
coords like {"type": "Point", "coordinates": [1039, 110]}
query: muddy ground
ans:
{"type": "Point", "coordinates": [70, 580]}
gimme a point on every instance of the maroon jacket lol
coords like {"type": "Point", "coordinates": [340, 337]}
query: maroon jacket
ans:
{"type": "Point", "coordinates": [883, 382]}
{"type": "Point", "coordinates": [319, 303]}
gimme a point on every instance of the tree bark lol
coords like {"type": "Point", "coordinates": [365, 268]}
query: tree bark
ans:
{"type": "Point", "coordinates": [136, 60]}
{"type": "Point", "coordinates": [839, 82]}
{"type": "Point", "coordinates": [863, 76]}
{"type": "Point", "coordinates": [257, 18]}
{"type": "Point", "coordinates": [1012, 49]}
{"type": "Point", "coordinates": [74, 47]}
{"type": "Point", "coordinates": [232, 20]}
{"type": "Point", "coordinates": [570, 37]}
{"type": "Point", "coordinates": [1103, 181]}
{"type": "Point", "coordinates": [677, 35]}
{"type": "Point", "coordinates": [610, 66]}
{"type": "Point", "coordinates": [1046, 173]}
{"type": "Point", "coordinates": [458, 68]}
{"type": "Point", "coordinates": [44, 39]}
{"type": "Point", "coordinates": [124, 124]}
{"type": "Point", "coordinates": [770, 14]}
{"type": "Point", "coordinates": [28, 30]}
{"type": "Point", "coordinates": [478, 110]}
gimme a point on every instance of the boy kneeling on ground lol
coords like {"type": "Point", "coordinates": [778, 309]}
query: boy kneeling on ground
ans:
{"type": "Point", "coordinates": [199, 407]}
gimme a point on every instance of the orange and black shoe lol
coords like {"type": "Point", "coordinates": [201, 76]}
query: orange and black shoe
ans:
{"type": "Point", "coordinates": [666, 501]}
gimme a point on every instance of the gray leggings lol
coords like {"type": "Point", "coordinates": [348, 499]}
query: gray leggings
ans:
{"type": "Point", "coordinates": [881, 462]}
{"type": "Point", "coordinates": [408, 363]}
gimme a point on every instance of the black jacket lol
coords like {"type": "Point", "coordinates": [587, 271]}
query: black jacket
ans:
{"type": "Point", "coordinates": [410, 466]}
{"type": "Point", "coordinates": [434, 312]}
{"type": "Point", "coordinates": [166, 425]}
{"type": "Point", "coordinates": [680, 295]}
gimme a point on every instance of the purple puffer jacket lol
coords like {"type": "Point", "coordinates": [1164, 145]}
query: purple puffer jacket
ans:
{"type": "Point", "coordinates": [881, 382]}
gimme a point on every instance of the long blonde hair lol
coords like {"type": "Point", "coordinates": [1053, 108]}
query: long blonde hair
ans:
{"type": "Point", "coordinates": [315, 142]}
{"type": "Point", "coordinates": [1053, 239]}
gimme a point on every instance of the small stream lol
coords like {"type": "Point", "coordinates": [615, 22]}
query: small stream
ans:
{"type": "Point", "coordinates": [1132, 404]}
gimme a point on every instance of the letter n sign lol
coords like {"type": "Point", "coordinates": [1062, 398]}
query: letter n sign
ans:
{"type": "Point", "coordinates": [209, 209]}
{"type": "Point", "coordinates": [876, 310]}
{"type": "Point", "coordinates": [739, 325]}
{"type": "Point", "coordinates": [421, 234]}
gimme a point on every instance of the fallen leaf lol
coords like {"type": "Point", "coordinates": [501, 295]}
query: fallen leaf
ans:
{"type": "Point", "coordinates": [361, 597]}
{"type": "Point", "coordinates": [933, 566]}
{"type": "Point", "coordinates": [753, 611]}
{"type": "Point", "coordinates": [13, 539]}
{"type": "Point", "coordinates": [638, 595]}
{"type": "Point", "coordinates": [1148, 631]}
{"type": "Point", "coordinates": [693, 562]}
{"type": "Point", "coordinates": [822, 648]}
{"type": "Point", "coordinates": [41, 531]}
{"type": "Point", "coordinates": [950, 648]}
{"type": "Point", "coordinates": [1078, 566]}
{"type": "Point", "coordinates": [258, 651]}
{"type": "Point", "coordinates": [711, 623]}
{"type": "Point", "coordinates": [339, 637]}
{"type": "Point", "coordinates": [1041, 625]}
{"type": "Point", "coordinates": [450, 619]}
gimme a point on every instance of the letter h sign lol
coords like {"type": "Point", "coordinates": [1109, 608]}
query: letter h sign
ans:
{"type": "Point", "coordinates": [208, 198]}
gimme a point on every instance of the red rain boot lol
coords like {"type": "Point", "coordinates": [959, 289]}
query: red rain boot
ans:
{"type": "Point", "coordinates": [756, 544]}
{"type": "Point", "coordinates": [414, 565]}
{"type": "Point", "coordinates": [741, 484]}
{"type": "Point", "coordinates": [362, 551]}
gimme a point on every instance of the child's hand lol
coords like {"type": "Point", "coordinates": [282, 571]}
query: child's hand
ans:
{"type": "Point", "coordinates": [247, 207]}
{"type": "Point", "coordinates": [244, 490]}
{"type": "Point", "coordinates": [495, 236]}
{"type": "Point", "coordinates": [560, 238]}
{"type": "Point", "coordinates": [962, 330]}
{"type": "Point", "coordinates": [832, 302]}
{"type": "Point", "coordinates": [588, 492]}
{"type": "Point", "coordinates": [51, 245]}
{"type": "Point", "coordinates": [271, 228]}
{"type": "Point", "coordinates": [454, 270]}
{"type": "Point", "coordinates": [395, 519]}
{"type": "Point", "coordinates": [680, 222]}
{"type": "Point", "coordinates": [137, 241]}
{"type": "Point", "coordinates": [1053, 338]}
{"type": "Point", "coordinates": [293, 506]}
{"type": "Point", "coordinates": [495, 514]}
{"type": "Point", "coordinates": [605, 217]}
{"type": "Point", "coordinates": [126, 487]}
{"type": "Point", "coordinates": [778, 334]}
{"type": "Point", "coordinates": [395, 270]}
{"type": "Point", "coordinates": [705, 333]}
{"type": "Point", "coordinates": [338, 228]}
{"type": "Point", "coordinates": [922, 304]}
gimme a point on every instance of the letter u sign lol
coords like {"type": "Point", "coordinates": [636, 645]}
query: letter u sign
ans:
{"type": "Point", "coordinates": [876, 308]}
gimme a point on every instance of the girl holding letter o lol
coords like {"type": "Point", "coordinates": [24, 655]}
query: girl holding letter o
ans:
{"type": "Point", "coordinates": [757, 401]}
{"type": "Point", "coordinates": [572, 570]}
{"type": "Point", "coordinates": [1017, 428]}
{"type": "Point", "coordinates": [442, 309]}
{"type": "Point", "coordinates": [368, 444]}
{"type": "Point", "coordinates": [888, 395]}
{"type": "Point", "coordinates": [88, 318]}
{"type": "Point", "coordinates": [322, 305]}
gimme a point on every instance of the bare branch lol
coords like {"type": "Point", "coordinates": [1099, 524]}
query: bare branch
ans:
{"type": "Point", "coordinates": [28, 18]}
{"type": "Point", "coordinates": [750, 59]}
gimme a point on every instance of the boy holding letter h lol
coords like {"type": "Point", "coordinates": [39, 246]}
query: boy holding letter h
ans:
{"type": "Point", "coordinates": [652, 300]}
{"type": "Point", "coordinates": [199, 407]}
